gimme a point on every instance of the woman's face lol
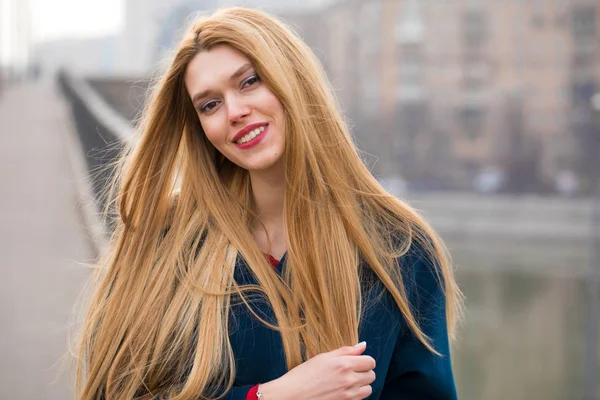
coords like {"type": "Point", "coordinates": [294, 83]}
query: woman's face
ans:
{"type": "Point", "coordinates": [239, 114]}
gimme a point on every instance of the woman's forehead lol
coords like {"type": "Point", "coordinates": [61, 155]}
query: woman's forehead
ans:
{"type": "Point", "coordinates": [220, 64]}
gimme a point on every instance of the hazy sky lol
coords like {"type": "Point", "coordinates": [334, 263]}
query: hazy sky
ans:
{"type": "Point", "coordinates": [57, 19]}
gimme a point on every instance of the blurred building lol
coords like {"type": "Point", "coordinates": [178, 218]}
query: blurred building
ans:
{"type": "Point", "coordinates": [96, 56]}
{"type": "Point", "coordinates": [143, 19]}
{"type": "Point", "coordinates": [457, 87]}
{"type": "Point", "coordinates": [15, 36]}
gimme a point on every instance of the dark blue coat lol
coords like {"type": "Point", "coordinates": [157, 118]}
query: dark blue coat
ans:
{"type": "Point", "coordinates": [405, 369]}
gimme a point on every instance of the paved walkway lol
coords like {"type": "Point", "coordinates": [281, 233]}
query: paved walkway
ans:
{"type": "Point", "coordinates": [42, 245]}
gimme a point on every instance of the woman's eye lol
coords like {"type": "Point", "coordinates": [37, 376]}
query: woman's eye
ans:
{"type": "Point", "coordinates": [208, 106]}
{"type": "Point", "coordinates": [250, 81]}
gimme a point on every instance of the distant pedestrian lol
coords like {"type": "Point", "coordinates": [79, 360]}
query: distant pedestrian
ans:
{"type": "Point", "coordinates": [254, 249]}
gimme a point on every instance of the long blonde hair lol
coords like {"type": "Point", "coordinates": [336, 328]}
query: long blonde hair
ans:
{"type": "Point", "coordinates": [158, 320]}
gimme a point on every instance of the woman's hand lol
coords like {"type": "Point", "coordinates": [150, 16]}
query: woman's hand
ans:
{"type": "Point", "coordinates": [342, 374]}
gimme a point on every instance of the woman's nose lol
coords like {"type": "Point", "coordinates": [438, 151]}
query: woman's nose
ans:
{"type": "Point", "coordinates": [237, 109]}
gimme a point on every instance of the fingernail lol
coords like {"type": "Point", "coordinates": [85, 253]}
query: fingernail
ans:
{"type": "Point", "coordinates": [360, 344]}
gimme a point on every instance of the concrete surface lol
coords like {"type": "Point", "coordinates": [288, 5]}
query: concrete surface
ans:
{"type": "Point", "coordinates": [43, 246]}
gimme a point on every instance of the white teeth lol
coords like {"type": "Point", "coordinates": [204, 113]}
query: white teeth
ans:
{"type": "Point", "coordinates": [251, 135]}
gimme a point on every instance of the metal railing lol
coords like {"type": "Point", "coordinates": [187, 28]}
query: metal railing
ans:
{"type": "Point", "coordinates": [102, 134]}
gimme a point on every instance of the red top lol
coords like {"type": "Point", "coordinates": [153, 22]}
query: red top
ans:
{"type": "Point", "coordinates": [252, 392]}
{"type": "Point", "coordinates": [272, 260]}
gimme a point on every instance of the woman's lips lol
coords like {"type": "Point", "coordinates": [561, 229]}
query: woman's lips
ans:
{"type": "Point", "coordinates": [253, 142]}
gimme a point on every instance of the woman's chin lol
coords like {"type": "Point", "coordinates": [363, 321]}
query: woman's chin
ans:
{"type": "Point", "coordinates": [266, 164]}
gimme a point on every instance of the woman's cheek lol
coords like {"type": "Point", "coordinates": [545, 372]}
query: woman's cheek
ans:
{"type": "Point", "coordinates": [210, 130]}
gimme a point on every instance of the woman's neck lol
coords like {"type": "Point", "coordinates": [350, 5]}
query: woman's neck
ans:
{"type": "Point", "coordinates": [268, 191]}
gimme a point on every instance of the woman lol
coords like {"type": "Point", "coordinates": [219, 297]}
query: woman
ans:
{"type": "Point", "coordinates": [244, 160]}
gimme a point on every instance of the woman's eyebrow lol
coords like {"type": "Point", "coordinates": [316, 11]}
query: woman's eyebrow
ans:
{"type": "Point", "coordinates": [240, 71]}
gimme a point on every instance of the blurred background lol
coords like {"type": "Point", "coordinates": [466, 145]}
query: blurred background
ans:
{"type": "Point", "coordinates": [484, 115]}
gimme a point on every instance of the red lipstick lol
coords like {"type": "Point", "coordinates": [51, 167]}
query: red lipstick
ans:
{"type": "Point", "coordinates": [247, 129]}
{"type": "Point", "coordinates": [254, 141]}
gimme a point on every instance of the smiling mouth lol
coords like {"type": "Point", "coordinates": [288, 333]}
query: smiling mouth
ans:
{"type": "Point", "coordinates": [251, 135]}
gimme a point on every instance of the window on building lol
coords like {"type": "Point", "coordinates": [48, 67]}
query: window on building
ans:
{"type": "Point", "coordinates": [538, 21]}
{"type": "Point", "coordinates": [475, 27]}
{"type": "Point", "coordinates": [369, 66]}
{"type": "Point", "coordinates": [368, 26]}
{"type": "Point", "coordinates": [370, 94]}
{"type": "Point", "coordinates": [583, 22]}
{"type": "Point", "coordinates": [584, 59]}
{"type": "Point", "coordinates": [475, 75]}
{"type": "Point", "coordinates": [581, 93]}
{"type": "Point", "coordinates": [471, 121]}
{"type": "Point", "coordinates": [412, 119]}
{"type": "Point", "coordinates": [410, 70]}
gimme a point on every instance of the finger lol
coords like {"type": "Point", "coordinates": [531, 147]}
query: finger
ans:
{"type": "Point", "coordinates": [350, 350]}
{"type": "Point", "coordinates": [364, 392]}
{"type": "Point", "coordinates": [365, 378]}
{"type": "Point", "coordinates": [360, 363]}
